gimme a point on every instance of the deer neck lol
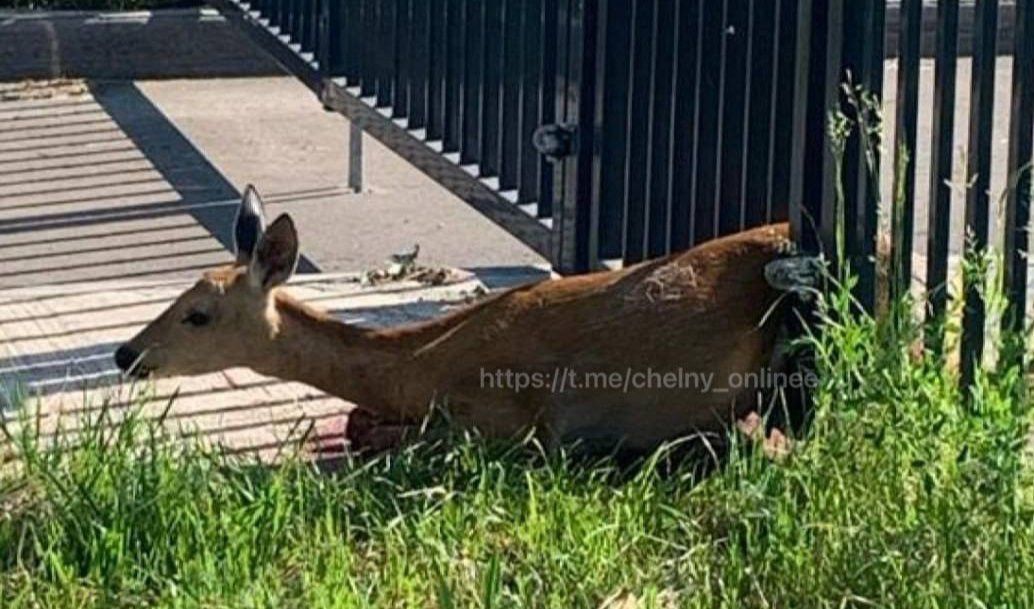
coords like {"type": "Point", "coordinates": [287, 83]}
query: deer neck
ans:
{"type": "Point", "coordinates": [371, 368]}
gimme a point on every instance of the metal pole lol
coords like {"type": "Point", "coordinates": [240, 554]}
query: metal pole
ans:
{"type": "Point", "coordinates": [355, 157]}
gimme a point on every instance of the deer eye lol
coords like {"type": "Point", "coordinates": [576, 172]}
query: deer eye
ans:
{"type": "Point", "coordinates": [197, 319]}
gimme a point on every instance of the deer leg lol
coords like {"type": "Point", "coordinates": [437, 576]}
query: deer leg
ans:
{"type": "Point", "coordinates": [359, 432]}
{"type": "Point", "coordinates": [366, 432]}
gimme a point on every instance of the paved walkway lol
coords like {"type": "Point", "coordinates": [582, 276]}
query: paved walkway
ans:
{"type": "Point", "coordinates": [95, 184]}
{"type": "Point", "coordinates": [273, 132]}
{"type": "Point", "coordinates": [107, 212]}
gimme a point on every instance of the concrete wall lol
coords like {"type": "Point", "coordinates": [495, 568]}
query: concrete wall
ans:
{"type": "Point", "coordinates": [174, 43]}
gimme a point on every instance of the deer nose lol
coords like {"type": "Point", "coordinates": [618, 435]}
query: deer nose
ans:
{"type": "Point", "coordinates": [125, 358]}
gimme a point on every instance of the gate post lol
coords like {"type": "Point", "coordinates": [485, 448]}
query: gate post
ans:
{"type": "Point", "coordinates": [355, 157]}
{"type": "Point", "coordinates": [575, 214]}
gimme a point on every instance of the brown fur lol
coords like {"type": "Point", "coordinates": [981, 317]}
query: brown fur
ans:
{"type": "Point", "coordinates": [700, 311]}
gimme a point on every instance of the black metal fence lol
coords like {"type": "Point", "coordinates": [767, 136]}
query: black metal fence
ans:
{"type": "Point", "coordinates": [847, 36]}
{"type": "Point", "coordinates": [662, 123]}
{"type": "Point", "coordinates": [603, 132]}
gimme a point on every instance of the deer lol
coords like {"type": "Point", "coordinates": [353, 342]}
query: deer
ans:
{"type": "Point", "coordinates": [705, 311]}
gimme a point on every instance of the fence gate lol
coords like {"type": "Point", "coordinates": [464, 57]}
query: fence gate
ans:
{"type": "Point", "coordinates": [599, 132]}
{"type": "Point", "coordinates": [603, 132]}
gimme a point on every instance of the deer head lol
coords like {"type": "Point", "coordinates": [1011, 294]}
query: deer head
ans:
{"type": "Point", "coordinates": [227, 318]}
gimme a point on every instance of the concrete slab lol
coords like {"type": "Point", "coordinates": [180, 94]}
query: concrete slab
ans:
{"type": "Point", "coordinates": [272, 132]}
{"type": "Point", "coordinates": [95, 183]}
{"type": "Point", "coordinates": [76, 206]}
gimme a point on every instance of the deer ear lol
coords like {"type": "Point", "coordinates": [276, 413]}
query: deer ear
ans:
{"type": "Point", "coordinates": [249, 226]}
{"type": "Point", "coordinates": [276, 254]}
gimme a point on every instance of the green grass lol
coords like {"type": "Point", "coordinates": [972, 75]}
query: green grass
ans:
{"type": "Point", "coordinates": [902, 494]}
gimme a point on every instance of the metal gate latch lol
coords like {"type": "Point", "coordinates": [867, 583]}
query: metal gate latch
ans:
{"type": "Point", "coordinates": [554, 141]}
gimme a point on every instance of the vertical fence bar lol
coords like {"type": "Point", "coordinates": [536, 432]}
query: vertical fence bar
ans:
{"type": "Point", "coordinates": [531, 104]}
{"type": "Point", "coordinates": [709, 88]}
{"type": "Point", "coordinates": [549, 194]}
{"type": "Point", "coordinates": [816, 212]}
{"type": "Point", "coordinates": [941, 162]}
{"type": "Point", "coordinates": [863, 57]}
{"type": "Point", "coordinates": [473, 22]}
{"type": "Point", "coordinates": [301, 28]}
{"type": "Point", "coordinates": [804, 210]}
{"type": "Point", "coordinates": [274, 9]}
{"type": "Point", "coordinates": [558, 12]}
{"type": "Point", "coordinates": [788, 58]}
{"type": "Point", "coordinates": [763, 67]}
{"type": "Point", "coordinates": [905, 150]}
{"type": "Point", "coordinates": [312, 8]}
{"type": "Point", "coordinates": [312, 24]}
{"type": "Point", "coordinates": [683, 160]}
{"type": "Point", "coordinates": [368, 64]}
{"type": "Point", "coordinates": [285, 17]}
{"type": "Point", "coordinates": [289, 22]}
{"type": "Point", "coordinates": [452, 107]}
{"type": "Point", "coordinates": [403, 63]}
{"type": "Point", "coordinates": [386, 52]}
{"type": "Point", "coordinates": [422, 58]}
{"type": "Point", "coordinates": [736, 40]}
{"type": "Point", "coordinates": [331, 50]}
{"type": "Point", "coordinates": [511, 117]}
{"type": "Point", "coordinates": [658, 227]}
{"type": "Point", "coordinates": [491, 92]}
{"type": "Point", "coordinates": [1021, 158]}
{"type": "Point", "coordinates": [299, 18]}
{"type": "Point", "coordinates": [803, 88]}
{"type": "Point", "coordinates": [639, 132]}
{"type": "Point", "coordinates": [981, 123]}
{"type": "Point", "coordinates": [355, 157]}
{"type": "Point", "coordinates": [613, 68]}
{"type": "Point", "coordinates": [577, 241]}
{"type": "Point", "coordinates": [437, 58]}
{"type": "Point", "coordinates": [351, 15]}
{"type": "Point", "coordinates": [298, 21]}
